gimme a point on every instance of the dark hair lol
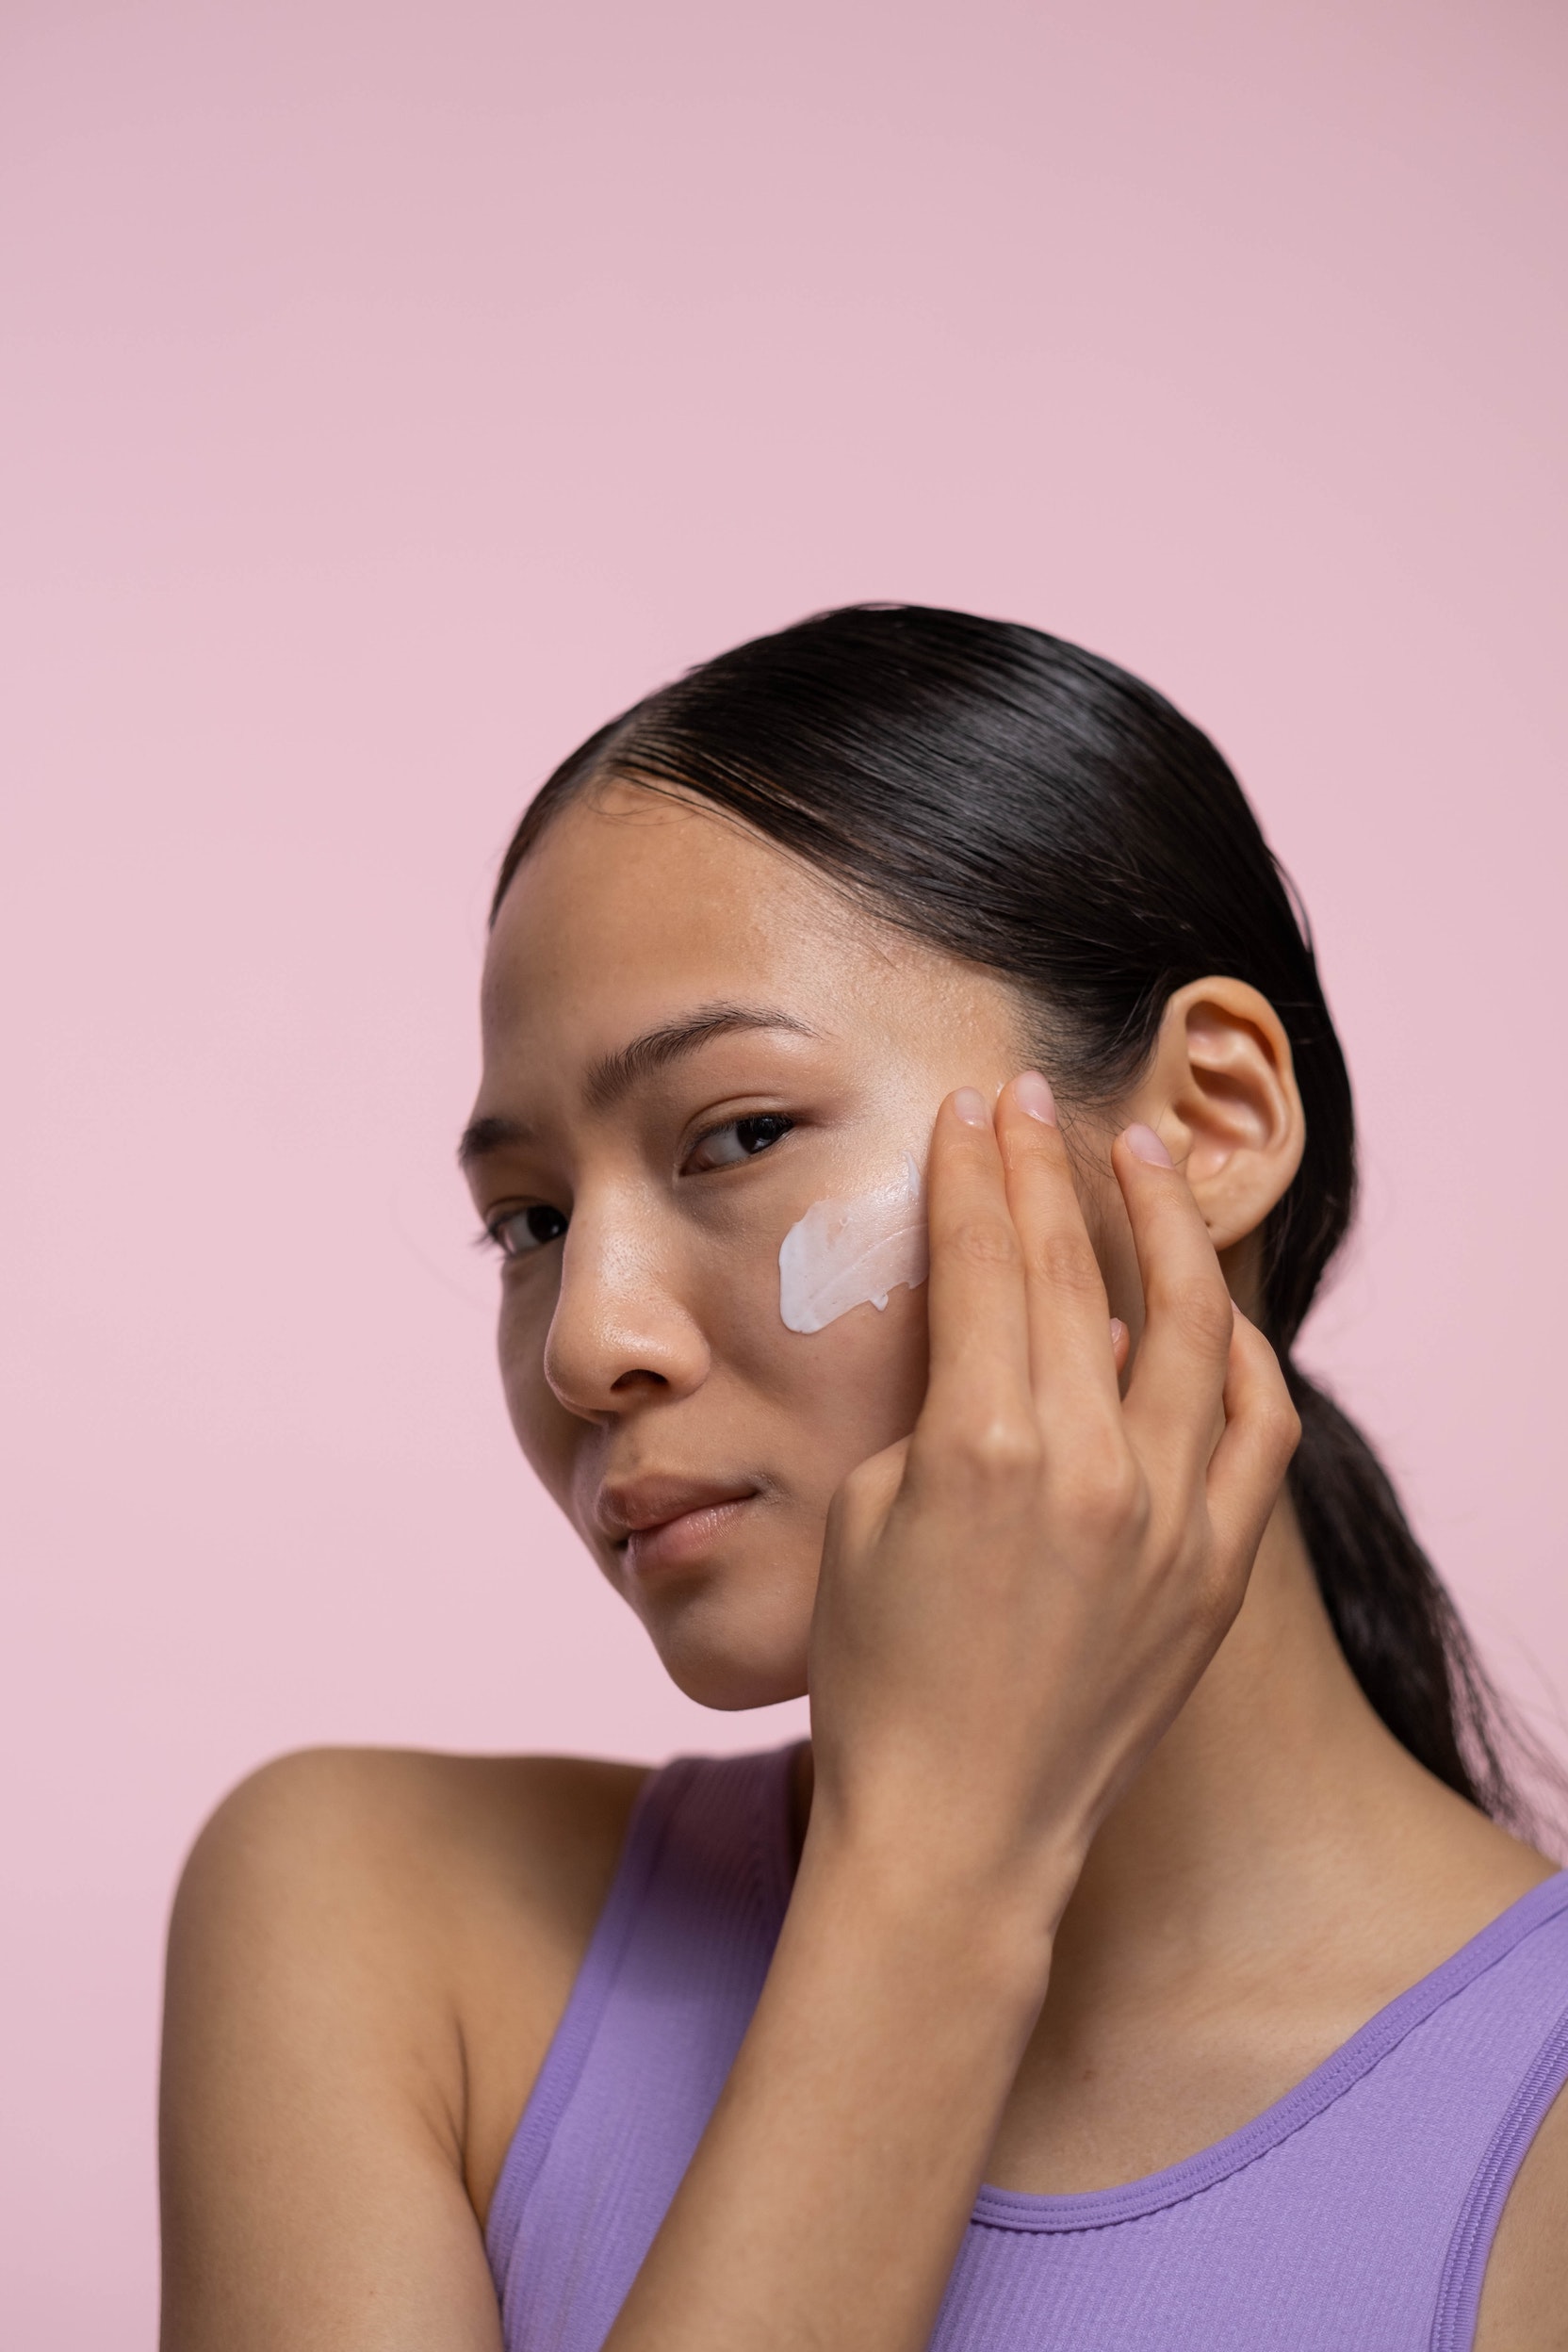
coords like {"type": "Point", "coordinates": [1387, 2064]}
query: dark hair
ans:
{"type": "Point", "coordinates": [1035, 809]}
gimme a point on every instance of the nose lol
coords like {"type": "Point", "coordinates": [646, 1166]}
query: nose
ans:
{"type": "Point", "coordinates": [621, 1332]}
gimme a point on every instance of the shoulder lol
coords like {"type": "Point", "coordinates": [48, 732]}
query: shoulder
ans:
{"type": "Point", "coordinates": [1524, 2305]}
{"type": "Point", "coordinates": [392, 1928]}
{"type": "Point", "coordinates": [382, 1823]}
{"type": "Point", "coordinates": [324, 1787]}
{"type": "Point", "coordinates": [425, 1852]}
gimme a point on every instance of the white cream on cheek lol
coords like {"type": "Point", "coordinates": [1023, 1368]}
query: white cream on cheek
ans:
{"type": "Point", "coordinates": [851, 1254]}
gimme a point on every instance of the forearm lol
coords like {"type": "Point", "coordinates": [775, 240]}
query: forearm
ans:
{"type": "Point", "coordinates": [828, 2196]}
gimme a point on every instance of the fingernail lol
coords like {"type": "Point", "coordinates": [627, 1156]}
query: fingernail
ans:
{"type": "Point", "coordinates": [971, 1108]}
{"type": "Point", "coordinates": [1145, 1144]}
{"type": "Point", "coordinates": [1032, 1094]}
{"type": "Point", "coordinates": [1119, 1331]}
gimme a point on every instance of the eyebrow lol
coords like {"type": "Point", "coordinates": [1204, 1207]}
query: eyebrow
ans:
{"type": "Point", "coordinates": [614, 1074]}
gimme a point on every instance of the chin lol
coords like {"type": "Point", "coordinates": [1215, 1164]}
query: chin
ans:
{"type": "Point", "coordinates": [729, 1650]}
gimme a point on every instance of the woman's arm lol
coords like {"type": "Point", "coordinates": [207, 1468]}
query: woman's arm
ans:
{"type": "Point", "coordinates": [343, 1921]}
{"type": "Point", "coordinates": [1013, 1606]}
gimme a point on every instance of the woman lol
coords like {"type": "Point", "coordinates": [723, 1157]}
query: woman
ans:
{"type": "Point", "coordinates": [1151, 1859]}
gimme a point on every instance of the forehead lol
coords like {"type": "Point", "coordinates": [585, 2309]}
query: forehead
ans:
{"type": "Point", "coordinates": [637, 903]}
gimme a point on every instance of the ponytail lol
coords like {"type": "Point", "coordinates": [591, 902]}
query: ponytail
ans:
{"type": "Point", "coordinates": [1402, 1635]}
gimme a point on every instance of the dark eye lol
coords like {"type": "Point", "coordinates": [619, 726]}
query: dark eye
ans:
{"type": "Point", "coordinates": [741, 1139]}
{"type": "Point", "coordinates": [520, 1231]}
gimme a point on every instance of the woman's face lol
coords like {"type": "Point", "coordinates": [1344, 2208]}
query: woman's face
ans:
{"type": "Point", "coordinates": [689, 1039]}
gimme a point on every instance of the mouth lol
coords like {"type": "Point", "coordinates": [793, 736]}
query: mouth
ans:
{"type": "Point", "coordinates": [659, 1523]}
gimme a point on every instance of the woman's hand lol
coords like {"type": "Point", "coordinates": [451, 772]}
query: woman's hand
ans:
{"type": "Point", "coordinates": [1017, 1600]}
{"type": "Point", "coordinates": [1014, 1604]}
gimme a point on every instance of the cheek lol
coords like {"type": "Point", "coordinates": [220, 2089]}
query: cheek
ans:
{"type": "Point", "coordinates": [845, 1392]}
{"type": "Point", "coordinates": [848, 1375]}
{"type": "Point", "coordinates": [547, 1433]}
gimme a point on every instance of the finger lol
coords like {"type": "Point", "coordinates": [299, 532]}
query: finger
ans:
{"type": "Point", "coordinates": [1178, 1379]}
{"type": "Point", "coordinates": [1260, 1432]}
{"type": "Point", "coordinates": [979, 1377]}
{"type": "Point", "coordinates": [1071, 1374]}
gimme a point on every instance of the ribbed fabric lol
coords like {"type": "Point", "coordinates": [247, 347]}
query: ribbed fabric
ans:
{"type": "Point", "coordinates": [1359, 2211]}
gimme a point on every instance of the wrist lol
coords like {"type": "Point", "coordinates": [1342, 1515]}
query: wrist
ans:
{"type": "Point", "coordinates": [967, 1919]}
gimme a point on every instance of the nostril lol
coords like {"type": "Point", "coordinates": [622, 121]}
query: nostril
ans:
{"type": "Point", "coordinates": [638, 1378]}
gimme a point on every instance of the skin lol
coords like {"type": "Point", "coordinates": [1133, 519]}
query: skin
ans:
{"type": "Point", "coordinates": [1151, 1859]}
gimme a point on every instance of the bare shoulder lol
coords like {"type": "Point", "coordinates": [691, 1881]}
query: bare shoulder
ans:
{"type": "Point", "coordinates": [369, 1954]}
{"type": "Point", "coordinates": [450, 1897]}
{"type": "Point", "coordinates": [387, 1813]}
{"type": "Point", "coordinates": [422, 1874]}
{"type": "Point", "coordinates": [407, 1833]}
{"type": "Point", "coordinates": [1524, 2298]}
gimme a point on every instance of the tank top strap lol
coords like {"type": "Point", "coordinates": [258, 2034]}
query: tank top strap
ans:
{"type": "Point", "coordinates": [671, 1975]}
{"type": "Point", "coordinates": [1538, 2086]}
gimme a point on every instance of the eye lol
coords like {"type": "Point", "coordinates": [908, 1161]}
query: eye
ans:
{"type": "Point", "coordinates": [518, 1232]}
{"type": "Point", "coordinates": [739, 1139]}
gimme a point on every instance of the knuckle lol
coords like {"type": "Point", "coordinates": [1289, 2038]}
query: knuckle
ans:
{"type": "Point", "coordinates": [983, 1241]}
{"type": "Point", "coordinates": [997, 1446]}
{"type": "Point", "coordinates": [1067, 1264]}
{"type": "Point", "coordinates": [1199, 1312]}
{"type": "Point", "coordinates": [1104, 1493]}
{"type": "Point", "coordinates": [1281, 1426]}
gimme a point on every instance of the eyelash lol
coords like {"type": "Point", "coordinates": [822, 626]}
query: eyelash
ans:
{"type": "Point", "coordinates": [494, 1233]}
{"type": "Point", "coordinates": [727, 1126]}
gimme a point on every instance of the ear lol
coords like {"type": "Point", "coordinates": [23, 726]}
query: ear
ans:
{"type": "Point", "coordinates": [1221, 1095]}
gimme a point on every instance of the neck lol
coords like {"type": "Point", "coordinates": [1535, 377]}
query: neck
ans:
{"type": "Point", "coordinates": [1277, 1797]}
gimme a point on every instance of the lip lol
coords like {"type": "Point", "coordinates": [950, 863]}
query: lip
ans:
{"type": "Point", "coordinates": [662, 1523]}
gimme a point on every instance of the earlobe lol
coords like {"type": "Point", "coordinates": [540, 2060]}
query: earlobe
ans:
{"type": "Point", "coordinates": [1231, 1113]}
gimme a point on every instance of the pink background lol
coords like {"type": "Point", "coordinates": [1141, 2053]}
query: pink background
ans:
{"type": "Point", "coordinates": [392, 392]}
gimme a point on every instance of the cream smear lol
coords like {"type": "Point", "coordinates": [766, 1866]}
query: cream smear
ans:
{"type": "Point", "coordinates": [852, 1254]}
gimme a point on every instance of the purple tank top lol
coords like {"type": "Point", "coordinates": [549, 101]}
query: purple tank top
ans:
{"type": "Point", "coordinates": [1357, 2211]}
